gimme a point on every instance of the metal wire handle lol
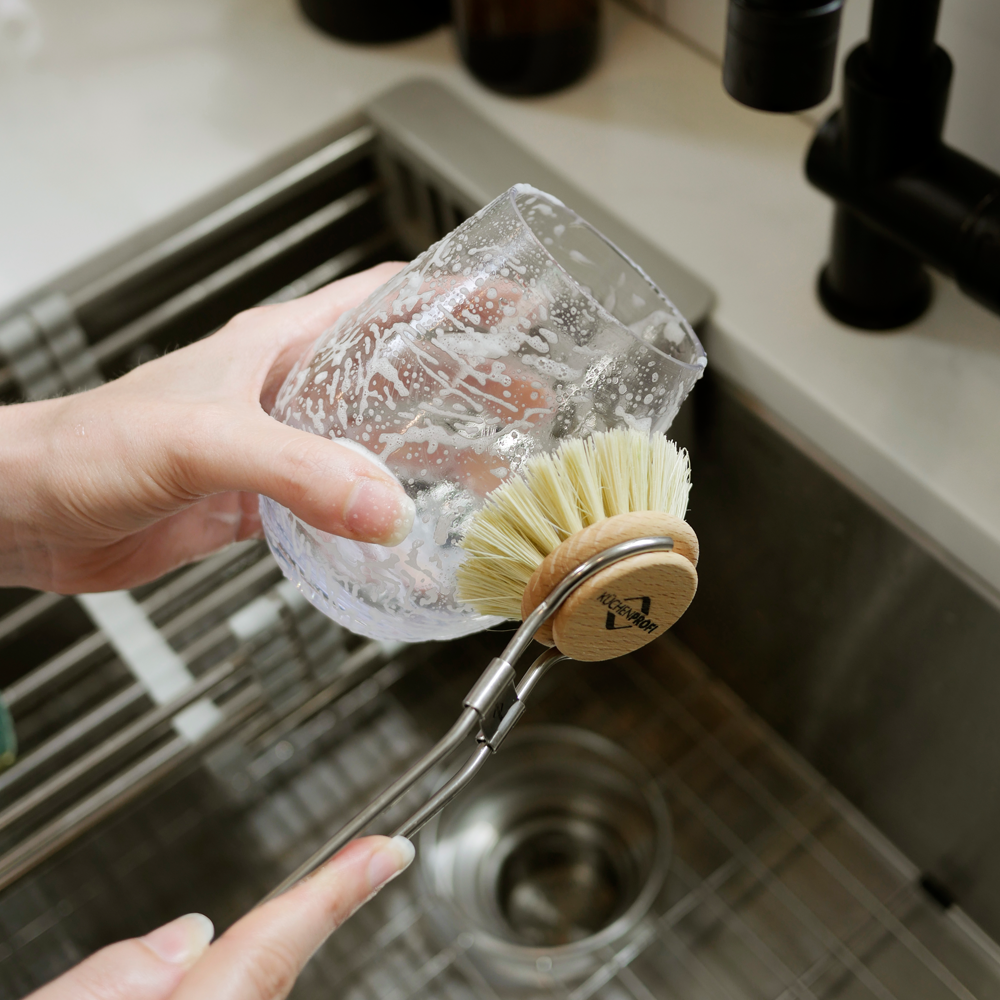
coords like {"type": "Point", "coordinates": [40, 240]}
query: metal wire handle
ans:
{"type": "Point", "coordinates": [494, 704]}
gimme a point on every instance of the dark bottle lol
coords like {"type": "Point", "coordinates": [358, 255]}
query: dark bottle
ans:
{"type": "Point", "coordinates": [527, 46]}
{"type": "Point", "coordinates": [376, 20]}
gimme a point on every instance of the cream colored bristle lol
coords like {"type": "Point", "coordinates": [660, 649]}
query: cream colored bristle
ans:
{"type": "Point", "coordinates": [638, 473]}
{"type": "Point", "coordinates": [555, 496]}
{"type": "Point", "coordinates": [669, 477]}
{"type": "Point", "coordinates": [613, 460]}
{"type": "Point", "coordinates": [519, 503]}
{"type": "Point", "coordinates": [574, 456]}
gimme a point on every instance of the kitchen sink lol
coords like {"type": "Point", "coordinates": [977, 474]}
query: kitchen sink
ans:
{"type": "Point", "coordinates": [803, 766]}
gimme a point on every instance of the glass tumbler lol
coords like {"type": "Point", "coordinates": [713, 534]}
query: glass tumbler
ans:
{"type": "Point", "coordinates": [522, 327]}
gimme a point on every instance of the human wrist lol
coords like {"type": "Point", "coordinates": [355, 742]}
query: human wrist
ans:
{"type": "Point", "coordinates": [24, 458]}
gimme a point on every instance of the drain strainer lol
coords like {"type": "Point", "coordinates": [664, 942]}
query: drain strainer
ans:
{"type": "Point", "coordinates": [557, 851]}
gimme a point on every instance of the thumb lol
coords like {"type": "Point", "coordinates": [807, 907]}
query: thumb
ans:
{"type": "Point", "coordinates": [147, 968]}
{"type": "Point", "coordinates": [328, 485]}
{"type": "Point", "coordinates": [260, 956]}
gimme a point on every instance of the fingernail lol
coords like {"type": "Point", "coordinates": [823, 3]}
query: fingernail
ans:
{"type": "Point", "coordinates": [388, 861]}
{"type": "Point", "coordinates": [182, 941]}
{"type": "Point", "coordinates": [379, 512]}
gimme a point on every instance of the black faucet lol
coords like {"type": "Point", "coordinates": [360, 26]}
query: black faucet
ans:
{"type": "Point", "coordinates": [903, 198]}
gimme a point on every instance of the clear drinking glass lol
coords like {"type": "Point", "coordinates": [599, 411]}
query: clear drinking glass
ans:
{"type": "Point", "coordinates": [520, 328]}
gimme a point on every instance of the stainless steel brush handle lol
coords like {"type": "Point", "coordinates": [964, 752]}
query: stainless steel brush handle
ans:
{"type": "Point", "coordinates": [494, 705]}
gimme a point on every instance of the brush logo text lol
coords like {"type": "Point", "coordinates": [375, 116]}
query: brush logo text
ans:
{"type": "Point", "coordinates": [621, 615]}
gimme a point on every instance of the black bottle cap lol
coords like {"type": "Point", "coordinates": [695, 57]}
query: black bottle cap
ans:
{"type": "Point", "coordinates": [386, 21]}
{"type": "Point", "coordinates": [781, 54]}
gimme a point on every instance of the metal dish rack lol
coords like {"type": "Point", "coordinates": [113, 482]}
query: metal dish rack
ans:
{"type": "Point", "coordinates": [118, 817]}
{"type": "Point", "coordinates": [776, 889]}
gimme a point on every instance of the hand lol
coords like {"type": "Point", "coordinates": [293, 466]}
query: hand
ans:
{"type": "Point", "coordinates": [258, 958]}
{"type": "Point", "coordinates": [110, 488]}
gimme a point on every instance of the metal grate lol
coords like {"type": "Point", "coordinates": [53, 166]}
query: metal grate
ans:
{"type": "Point", "coordinates": [777, 888]}
{"type": "Point", "coordinates": [94, 735]}
{"type": "Point", "coordinates": [244, 651]}
{"type": "Point", "coordinates": [311, 222]}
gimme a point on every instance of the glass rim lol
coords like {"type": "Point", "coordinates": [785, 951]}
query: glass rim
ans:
{"type": "Point", "coordinates": [519, 189]}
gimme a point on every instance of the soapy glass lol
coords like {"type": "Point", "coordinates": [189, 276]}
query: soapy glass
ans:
{"type": "Point", "coordinates": [524, 326]}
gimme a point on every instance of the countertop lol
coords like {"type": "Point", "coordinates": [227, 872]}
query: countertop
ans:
{"type": "Point", "coordinates": [131, 108]}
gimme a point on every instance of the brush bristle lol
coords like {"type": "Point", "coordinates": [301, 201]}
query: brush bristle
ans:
{"type": "Point", "coordinates": [553, 497]}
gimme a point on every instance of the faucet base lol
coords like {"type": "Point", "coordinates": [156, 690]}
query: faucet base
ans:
{"type": "Point", "coordinates": [870, 281]}
{"type": "Point", "coordinates": [869, 319]}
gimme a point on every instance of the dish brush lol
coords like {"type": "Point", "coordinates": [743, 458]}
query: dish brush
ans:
{"type": "Point", "coordinates": [563, 508]}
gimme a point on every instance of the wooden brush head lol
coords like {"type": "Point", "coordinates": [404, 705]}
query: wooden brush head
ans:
{"type": "Point", "coordinates": [626, 605]}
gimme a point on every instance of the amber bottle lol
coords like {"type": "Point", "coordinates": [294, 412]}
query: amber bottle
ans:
{"type": "Point", "coordinates": [527, 46]}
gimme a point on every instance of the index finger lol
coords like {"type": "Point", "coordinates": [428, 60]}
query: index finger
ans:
{"type": "Point", "coordinates": [299, 322]}
{"type": "Point", "coordinates": [292, 327]}
{"type": "Point", "coordinates": [260, 956]}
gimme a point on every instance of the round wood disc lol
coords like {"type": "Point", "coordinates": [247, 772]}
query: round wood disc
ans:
{"type": "Point", "coordinates": [625, 606]}
{"type": "Point", "coordinates": [580, 547]}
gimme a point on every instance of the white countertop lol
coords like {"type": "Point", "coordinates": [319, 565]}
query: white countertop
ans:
{"type": "Point", "coordinates": [132, 108]}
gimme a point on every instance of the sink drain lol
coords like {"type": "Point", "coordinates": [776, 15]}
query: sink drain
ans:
{"type": "Point", "coordinates": [563, 882]}
{"type": "Point", "coordinates": [557, 851]}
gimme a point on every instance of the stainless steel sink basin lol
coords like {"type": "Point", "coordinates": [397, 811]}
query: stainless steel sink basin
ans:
{"type": "Point", "coordinates": [820, 724]}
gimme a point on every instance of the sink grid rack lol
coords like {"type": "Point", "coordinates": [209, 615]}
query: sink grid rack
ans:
{"type": "Point", "coordinates": [777, 887]}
